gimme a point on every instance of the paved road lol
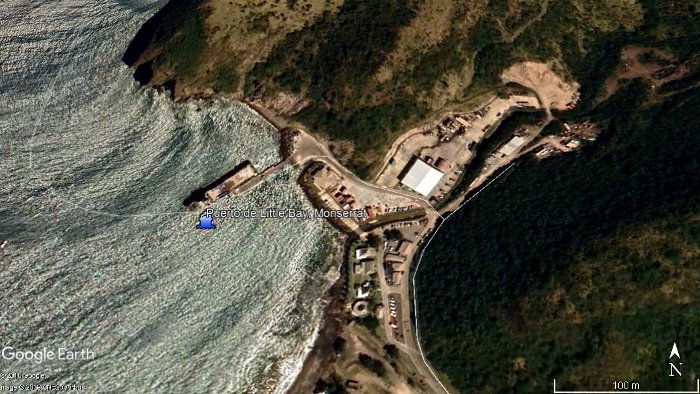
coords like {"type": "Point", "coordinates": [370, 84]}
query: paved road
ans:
{"type": "Point", "coordinates": [309, 148]}
{"type": "Point", "coordinates": [409, 345]}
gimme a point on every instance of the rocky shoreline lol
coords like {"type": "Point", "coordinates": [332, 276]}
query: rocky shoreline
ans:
{"type": "Point", "coordinates": [319, 361]}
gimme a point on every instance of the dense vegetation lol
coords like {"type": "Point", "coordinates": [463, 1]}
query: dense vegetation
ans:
{"type": "Point", "coordinates": [332, 62]}
{"type": "Point", "coordinates": [570, 268]}
{"type": "Point", "coordinates": [186, 46]}
{"type": "Point", "coordinates": [489, 276]}
{"type": "Point", "coordinates": [589, 55]}
{"type": "Point", "coordinates": [160, 29]}
{"type": "Point", "coordinates": [371, 364]}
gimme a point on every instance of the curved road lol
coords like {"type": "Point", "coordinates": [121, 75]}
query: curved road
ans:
{"type": "Point", "coordinates": [309, 148]}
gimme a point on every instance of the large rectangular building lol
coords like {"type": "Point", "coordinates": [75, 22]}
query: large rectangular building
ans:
{"type": "Point", "coordinates": [512, 145]}
{"type": "Point", "coordinates": [422, 177]}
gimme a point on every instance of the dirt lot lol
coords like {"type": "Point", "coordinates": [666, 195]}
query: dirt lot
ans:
{"type": "Point", "coordinates": [455, 150]}
{"type": "Point", "coordinates": [396, 368]}
{"type": "Point", "coordinates": [631, 67]}
{"type": "Point", "coordinates": [551, 89]}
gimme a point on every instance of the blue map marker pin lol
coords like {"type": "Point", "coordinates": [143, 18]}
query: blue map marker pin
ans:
{"type": "Point", "coordinates": [205, 223]}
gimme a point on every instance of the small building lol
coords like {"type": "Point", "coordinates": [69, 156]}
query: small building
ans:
{"type": "Point", "coordinates": [371, 212]}
{"type": "Point", "coordinates": [357, 268]}
{"type": "Point", "coordinates": [396, 266]}
{"type": "Point", "coordinates": [512, 145]}
{"type": "Point", "coordinates": [365, 253]}
{"type": "Point", "coordinates": [362, 292]}
{"type": "Point", "coordinates": [442, 164]}
{"type": "Point", "coordinates": [542, 153]}
{"type": "Point", "coordinates": [573, 144]}
{"type": "Point", "coordinates": [403, 247]}
{"type": "Point", "coordinates": [360, 308]}
{"type": "Point", "coordinates": [463, 122]}
{"type": "Point", "coordinates": [422, 177]}
{"type": "Point", "coordinates": [395, 258]}
{"type": "Point", "coordinates": [369, 267]}
{"type": "Point", "coordinates": [396, 277]}
{"type": "Point", "coordinates": [379, 311]}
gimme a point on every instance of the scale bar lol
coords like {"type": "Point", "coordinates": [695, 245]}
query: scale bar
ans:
{"type": "Point", "coordinates": [697, 391]}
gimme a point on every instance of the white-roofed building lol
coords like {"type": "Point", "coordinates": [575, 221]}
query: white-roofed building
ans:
{"type": "Point", "coordinates": [365, 253]}
{"type": "Point", "coordinates": [512, 145]}
{"type": "Point", "coordinates": [422, 177]}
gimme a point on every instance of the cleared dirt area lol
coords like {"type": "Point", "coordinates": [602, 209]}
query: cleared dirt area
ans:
{"type": "Point", "coordinates": [552, 91]}
{"type": "Point", "coordinates": [396, 368]}
{"type": "Point", "coordinates": [654, 65]}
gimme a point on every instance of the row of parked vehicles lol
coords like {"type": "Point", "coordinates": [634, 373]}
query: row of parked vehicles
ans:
{"type": "Point", "coordinates": [393, 313]}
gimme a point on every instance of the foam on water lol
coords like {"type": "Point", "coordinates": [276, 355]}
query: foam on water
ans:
{"type": "Point", "coordinates": [100, 254]}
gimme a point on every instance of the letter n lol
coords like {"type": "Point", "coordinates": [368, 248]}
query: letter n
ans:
{"type": "Point", "coordinates": [674, 368]}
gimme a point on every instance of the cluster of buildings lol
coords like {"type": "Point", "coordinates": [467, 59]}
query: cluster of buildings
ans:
{"type": "Point", "coordinates": [450, 127]}
{"type": "Point", "coordinates": [395, 260]}
{"type": "Point", "coordinates": [364, 269]}
{"type": "Point", "coordinates": [365, 261]}
{"type": "Point", "coordinates": [568, 139]}
{"type": "Point", "coordinates": [584, 129]}
{"type": "Point", "coordinates": [428, 172]}
{"type": "Point", "coordinates": [361, 306]}
{"type": "Point", "coordinates": [346, 194]}
{"type": "Point", "coordinates": [365, 298]}
{"type": "Point", "coordinates": [344, 199]}
{"type": "Point", "coordinates": [431, 160]}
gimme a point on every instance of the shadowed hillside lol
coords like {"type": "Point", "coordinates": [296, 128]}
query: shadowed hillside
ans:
{"type": "Point", "coordinates": [575, 266]}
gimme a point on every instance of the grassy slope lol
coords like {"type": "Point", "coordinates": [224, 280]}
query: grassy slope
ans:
{"type": "Point", "coordinates": [335, 61]}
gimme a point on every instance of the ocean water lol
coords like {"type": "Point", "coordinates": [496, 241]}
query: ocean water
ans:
{"type": "Point", "coordinates": [97, 252]}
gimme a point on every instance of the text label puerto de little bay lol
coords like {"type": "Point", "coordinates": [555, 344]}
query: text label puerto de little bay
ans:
{"type": "Point", "coordinates": [283, 213]}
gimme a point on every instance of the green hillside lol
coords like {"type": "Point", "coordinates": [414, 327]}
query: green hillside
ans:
{"type": "Point", "coordinates": [369, 69]}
